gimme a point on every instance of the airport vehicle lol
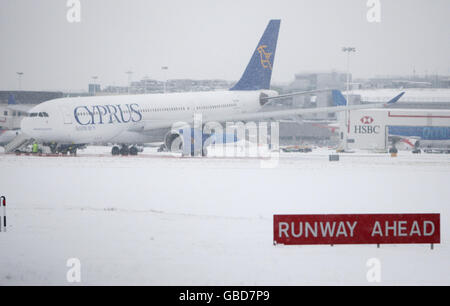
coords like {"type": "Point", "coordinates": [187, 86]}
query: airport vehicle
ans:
{"type": "Point", "coordinates": [28, 149]}
{"type": "Point", "coordinates": [131, 119]}
{"type": "Point", "coordinates": [6, 136]}
{"type": "Point", "coordinates": [418, 130]}
{"type": "Point", "coordinates": [299, 149]}
{"type": "Point", "coordinates": [418, 145]}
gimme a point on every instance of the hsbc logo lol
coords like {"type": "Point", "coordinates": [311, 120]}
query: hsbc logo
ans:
{"type": "Point", "coordinates": [367, 120]}
{"type": "Point", "coordinates": [367, 127]}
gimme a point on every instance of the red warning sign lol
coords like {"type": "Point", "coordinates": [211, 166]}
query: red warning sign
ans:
{"type": "Point", "coordinates": [357, 229]}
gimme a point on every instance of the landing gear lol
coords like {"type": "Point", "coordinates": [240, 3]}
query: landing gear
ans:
{"type": "Point", "coordinates": [162, 148]}
{"type": "Point", "coordinates": [124, 150]}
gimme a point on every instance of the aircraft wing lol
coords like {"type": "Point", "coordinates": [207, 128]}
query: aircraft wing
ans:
{"type": "Point", "coordinates": [280, 114]}
{"type": "Point", "coordinates": [149, 125]}
{"type": "Point", "coordinates": [293, 94]}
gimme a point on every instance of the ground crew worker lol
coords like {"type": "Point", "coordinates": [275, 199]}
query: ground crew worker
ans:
{"type": "Point", "coordinates": [35, 148]}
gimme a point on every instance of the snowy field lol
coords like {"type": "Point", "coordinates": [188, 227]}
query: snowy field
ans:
{"type": "Point", "coordinates": [159, 220]}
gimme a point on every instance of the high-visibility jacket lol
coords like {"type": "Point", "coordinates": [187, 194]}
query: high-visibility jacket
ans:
{"type": "Point", "coordinates": [35, 148]}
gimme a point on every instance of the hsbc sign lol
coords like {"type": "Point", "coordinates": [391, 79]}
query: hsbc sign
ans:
{"type": "Point", "coordinates": [366, 120]}
{"type": "Point", "coordinates": [357, 229]}
{"type": "Point", "coordinates": [366, 126]}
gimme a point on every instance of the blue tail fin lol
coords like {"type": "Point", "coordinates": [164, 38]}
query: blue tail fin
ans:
{"type": "Point", "coordinates": [394, 100]}
{"type": "Point", "coordinates": [338, 98]}
{"type": "Point", "coordinates": [258, 73]}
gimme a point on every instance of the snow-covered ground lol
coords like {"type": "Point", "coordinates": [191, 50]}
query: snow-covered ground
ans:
{"type": "Point", "coordinates": [159, 220]}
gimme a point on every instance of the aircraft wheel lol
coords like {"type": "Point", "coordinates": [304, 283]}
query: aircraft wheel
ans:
{"type": "Point", "coordinates": [124, 151]}
{"type": "Point", "coordinates": [133, 151]}
{"type": "Point", "coordinates": [115, 151]}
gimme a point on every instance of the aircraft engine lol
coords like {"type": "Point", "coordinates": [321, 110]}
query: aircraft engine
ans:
{"type": "Point", "coordinates": [173, 141]}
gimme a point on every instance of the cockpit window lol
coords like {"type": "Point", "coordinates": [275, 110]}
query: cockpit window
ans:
{"type": "Point", "coordinates": [33, 114]}
{"type": "Point", "coordinates": [45, 114]}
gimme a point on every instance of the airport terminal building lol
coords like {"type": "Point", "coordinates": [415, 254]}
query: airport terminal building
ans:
{"type": "Point", "coordinates": [316, 129]}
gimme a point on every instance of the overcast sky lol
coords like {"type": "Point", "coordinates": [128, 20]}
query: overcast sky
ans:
{"type": "Point", "coordinates": [205, 39]}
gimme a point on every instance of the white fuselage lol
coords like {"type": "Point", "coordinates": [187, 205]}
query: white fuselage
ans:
{"type": "Point", "coordinates": [130, 119]}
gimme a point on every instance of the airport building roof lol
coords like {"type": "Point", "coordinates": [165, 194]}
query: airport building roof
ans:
{"type": "Point", "coordinates": [29, 97]}
{"type": "Point", "coordinates": [412, 95]}
{"type": "Point", "coordinates": [414, 98]}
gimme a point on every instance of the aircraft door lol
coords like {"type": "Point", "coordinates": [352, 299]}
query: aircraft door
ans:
{"type": "Point", "coordinates": [67, 114]}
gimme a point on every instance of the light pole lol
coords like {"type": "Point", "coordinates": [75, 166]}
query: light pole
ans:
{"type": "Point", "coordinates": [20, 74]}
{"type": "Point", "coordinates": [130, 73]}
{"type": "Point", "coordinates": [348, 50]}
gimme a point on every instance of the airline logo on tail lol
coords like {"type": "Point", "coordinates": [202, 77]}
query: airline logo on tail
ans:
{"type": "Point", "coordinates": [258, 73]}
{"type": "Point", "coordinates": [265, 57]}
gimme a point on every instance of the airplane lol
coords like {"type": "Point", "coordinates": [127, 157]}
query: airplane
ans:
{"type": "Point", "coordinates": [128, 120]}
{"type": "Point", "coordinates": [427, 138]}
